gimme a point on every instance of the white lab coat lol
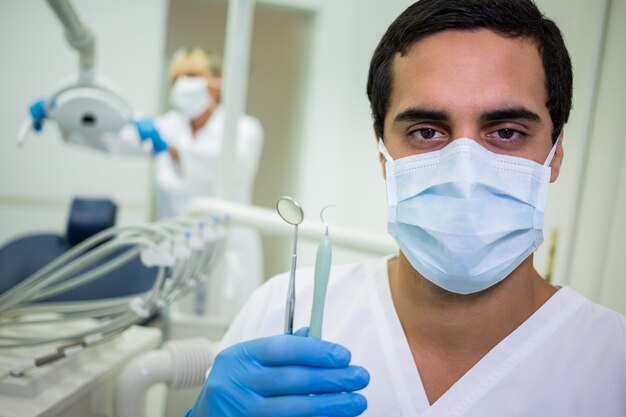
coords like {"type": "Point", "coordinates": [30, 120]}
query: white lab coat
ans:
{"type": "Point", "coordinates": [567, 359]}
{"type": "Point", "coordinates": [241, 270]}
{"type": "Point", "coordinates": [196, 175]}
{"type": "Point", "coordinates": [177, 184]}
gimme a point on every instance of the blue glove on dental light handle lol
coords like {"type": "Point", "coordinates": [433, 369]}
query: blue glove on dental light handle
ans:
{"type": "Point", "coordinates": [147, 130]}
{"type": "Point", "coordinates": [38, 114]}
{"type": "Point", "coordinates": [283, 376]}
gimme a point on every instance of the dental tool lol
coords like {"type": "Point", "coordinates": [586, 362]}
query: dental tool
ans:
{"type": "Point", "coordinates": [323, 261]}
{"type": "Point", "coordinates": [185, 251]}
{"type": "Point", "coordinates": [291, 212]}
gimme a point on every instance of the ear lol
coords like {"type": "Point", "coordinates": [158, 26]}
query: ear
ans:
{"type": "Point", "coordinates": [215, 89]}
{"type": "Point", "coordinates": [558, 158]}
{"type": "Point", "coordinates": [382, 160]}
{"type": "Point", "coordinates": [215, 94]}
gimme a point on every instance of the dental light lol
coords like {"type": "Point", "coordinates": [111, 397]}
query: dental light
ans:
{"type": "Point", "coordinates": [87, 106]}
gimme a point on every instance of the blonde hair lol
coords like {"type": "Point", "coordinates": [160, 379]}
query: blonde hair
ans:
{"type": "Point", "coordinates": [205, 63]}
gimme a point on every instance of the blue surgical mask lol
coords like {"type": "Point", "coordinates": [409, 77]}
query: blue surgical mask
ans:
{"type": "Point", "coordinates": [463, 216]}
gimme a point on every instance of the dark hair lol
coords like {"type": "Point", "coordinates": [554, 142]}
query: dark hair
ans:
{"type": "Point", "coordinates": [511, 18]}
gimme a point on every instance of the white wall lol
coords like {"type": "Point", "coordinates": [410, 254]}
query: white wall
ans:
{"type": "Point", "coordinates": [598, 267]}
{"type": "Point", "coordinates": [38, 180]}
{"type": "Point", "coordinates": [584, 47]}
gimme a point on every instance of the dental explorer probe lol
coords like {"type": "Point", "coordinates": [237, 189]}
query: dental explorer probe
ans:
{"type": "Point", "coordinates": [323, 261]}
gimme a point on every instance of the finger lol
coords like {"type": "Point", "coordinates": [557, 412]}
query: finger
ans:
{"type": "Point", "coordinates": [302, 332]}
{"type": "Point", "coordinates": [295, 350]}
{"type": "Point", "coordinates": [301, 380]}
{"type": "Point", "coordinates": [330, 405]}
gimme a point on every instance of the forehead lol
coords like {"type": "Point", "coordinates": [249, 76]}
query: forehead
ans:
{"type": "Point", "coordinates": [189, 66]}
{"type": "Point", "coordinates": [469, 68]}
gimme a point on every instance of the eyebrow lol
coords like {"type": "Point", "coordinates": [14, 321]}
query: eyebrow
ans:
{"type": "Point", "coordinates": [514, 113]}
{"type": "Point", "coordinates": [417, 113]}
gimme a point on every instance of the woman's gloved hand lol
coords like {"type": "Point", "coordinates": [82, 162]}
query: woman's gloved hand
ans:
{"type": "Point", "coordinates": [283, 376]}
{"type": "Point", "coordinates": [38, 114]}
{"type": "Point", "coordinates": [147, 130]}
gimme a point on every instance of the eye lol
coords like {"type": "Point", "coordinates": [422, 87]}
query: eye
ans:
{"type": "Point", "coordinates": [425, 133]}
{"type": "Point", "coordinates": [506, 134]}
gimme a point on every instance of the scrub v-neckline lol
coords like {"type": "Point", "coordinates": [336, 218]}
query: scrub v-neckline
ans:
{"type": "Point", "coordinates": [482, 376]}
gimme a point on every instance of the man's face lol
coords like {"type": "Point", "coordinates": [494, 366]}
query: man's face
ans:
{"type": "Point", "coordinates": [479, 85]}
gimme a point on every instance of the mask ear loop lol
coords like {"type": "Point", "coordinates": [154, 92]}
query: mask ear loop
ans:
{"type": "Point", "coordinates": [382, 149]}
{"type": "Point", "coordinates": [551, 154]}
{"type": "Point", "coordinates": [392, 193]}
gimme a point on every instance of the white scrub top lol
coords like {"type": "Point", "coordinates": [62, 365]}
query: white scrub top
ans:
{"type": "Point", "coordinates": [567, 359]}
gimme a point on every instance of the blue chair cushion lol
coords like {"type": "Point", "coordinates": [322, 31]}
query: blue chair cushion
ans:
{"type": "Point", "coordinates": [89, 216]}
{"type": "Point", "coordinates": [25, 255]}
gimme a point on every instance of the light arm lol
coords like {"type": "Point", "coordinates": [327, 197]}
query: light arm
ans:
{"type": "Point", "coordinates": [78, 36]}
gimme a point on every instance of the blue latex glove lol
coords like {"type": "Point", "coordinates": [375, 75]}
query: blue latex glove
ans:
{"type": "Point", "coordinates": [283, 376]}
{"type": "Point", "coordinates": [147, 130]}
{"type": "Point", "coordinates": [38, 114]}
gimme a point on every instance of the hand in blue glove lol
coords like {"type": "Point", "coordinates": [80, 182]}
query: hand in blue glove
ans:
{"type": "Point", "coordinates": [283, 376]}
{"type": "Point", "coordinates": [38, 114]}
{"type": "Point", "coordinates": [147, 130]}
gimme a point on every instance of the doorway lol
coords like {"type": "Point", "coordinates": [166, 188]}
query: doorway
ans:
{"type": "Point", "coordinates": [281, 41]}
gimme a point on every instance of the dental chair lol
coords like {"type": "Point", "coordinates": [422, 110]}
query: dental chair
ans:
{"type": "Point", "coordinates": [25, 255]}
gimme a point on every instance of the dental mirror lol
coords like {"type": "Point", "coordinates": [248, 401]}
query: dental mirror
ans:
{"type": "Point", "coordinates": [291, 212]}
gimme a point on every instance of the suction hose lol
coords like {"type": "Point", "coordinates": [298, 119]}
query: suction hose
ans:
{"type": "Point", "coordinates": [179, 364]}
